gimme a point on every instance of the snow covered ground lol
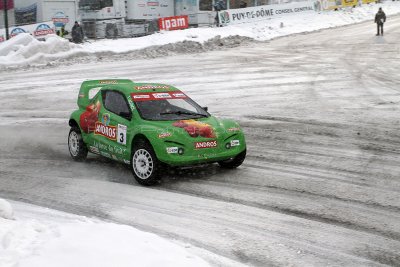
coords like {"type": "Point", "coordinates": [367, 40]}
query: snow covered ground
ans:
{"type": "Point", "coordinates": [24, 50]}
{"type": "Point", "coordinates": [34, 236]}
{"type": "Point", "coordinates": [320, 184]}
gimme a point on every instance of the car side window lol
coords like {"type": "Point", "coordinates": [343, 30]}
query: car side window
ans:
{"type": "Point", "coordinates": [116, 103]}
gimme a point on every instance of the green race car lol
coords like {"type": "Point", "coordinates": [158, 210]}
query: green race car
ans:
{"type": "Point", "coordinates": [150, 126]}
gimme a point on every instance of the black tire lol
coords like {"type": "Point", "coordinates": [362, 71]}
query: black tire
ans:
{"type": "Point", "coordinates": [233, 162]}
{"type": "Point", "coordinates": [145, 164]}
{"type": "Point", "coordinates": [76, 146]}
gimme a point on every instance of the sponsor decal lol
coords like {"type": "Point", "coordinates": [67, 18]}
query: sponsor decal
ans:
{"type": "Point", "coordinates": [136, 97]}
{"type": "Point", "coordinates": [234, 129]}
{"type": "Point", "coordinates": [131, 104]}
{"type": "Point", "coordinates": [43, 29]}
{"type": "Point", "coordinates": [150, 87]}
{"type": "Point", "coordinates": [89, 117]}
{"type": "Point", "coordinates": [108, 82]}
{"type": "Point", "coordinates": [173, 23]}
{"type": "Point", "coordinates": [172, 150]}
{"type": "Point", "coordinates": [235, 143]}
{"type": "Point", "coordinates": [105, 119]}
{"type": "Point", "coordinates": [105, 154]}
{"type": "Point", "coordinates": [205, 144]}
{"type": "Point", "coordinates": [121, 134]}
{"type": "Point", "coordinates": [141, 97]}
{"type": "Point", "coordinates": [162, 95]}
{"type": "Point", "coordinates": [179, 95]}
{"type": "Point", "coordinates": [196, 128]}
{"type": "Point", "coordinates": [164, 135]}
{"type": "Point", "coordinates": [107, 131]}
{"type": "Point", "coordinates": [209, 155]}
{"type": "Point", "coordinates": [94, 149]}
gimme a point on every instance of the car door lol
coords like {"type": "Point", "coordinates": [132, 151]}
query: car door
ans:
{"type": "Point", "coordinates": [112, 130]}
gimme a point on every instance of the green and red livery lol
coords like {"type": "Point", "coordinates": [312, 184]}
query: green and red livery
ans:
{"type": "Point", "coordinates": [150, 126]}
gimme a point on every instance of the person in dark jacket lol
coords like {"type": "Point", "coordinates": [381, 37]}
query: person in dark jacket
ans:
{"type": "Point", "coordinates": [219, 5]}
{"type": "Point", "coordinates": [77, 33]}
{"type": "Point", "coordinates": [242, 4]}
{"type": "Point", "coordinates": [380, 18]}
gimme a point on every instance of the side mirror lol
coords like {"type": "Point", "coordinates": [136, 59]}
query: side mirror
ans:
{"type": "Point", "coordinates": [205, 108]}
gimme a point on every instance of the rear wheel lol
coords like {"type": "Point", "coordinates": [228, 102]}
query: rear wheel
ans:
{"type": "Point", "coordinates": [233, 162]}
{"type": "Point", "coordinates": [76, 146]}
{"type": "Point", "coordinates": [144, 163]}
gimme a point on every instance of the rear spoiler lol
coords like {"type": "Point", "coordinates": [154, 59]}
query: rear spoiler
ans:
{"type": "Point", "coordinates": [83, 97]}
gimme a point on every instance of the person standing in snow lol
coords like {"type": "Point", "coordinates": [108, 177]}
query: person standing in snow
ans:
{"type": "Point", "coordinates": [219, 5]}
{"type": "Point", "coordinates": [380, 18]}
{"type": "Point", "coordinates": [77, 33]}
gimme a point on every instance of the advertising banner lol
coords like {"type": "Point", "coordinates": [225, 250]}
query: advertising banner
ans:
{"type": "Point", "coordinates": [369, 1]}
{"type": "Point", "coordinates": [173, 23]}
{"type": "Point", "coordinates": [349, 3]}
{"type": "Point", "coordinates": [37, 30]}
{"type": "Point", "coordinates": [10, 4]}
{"type": "Point", "coordinates": [243, 15]}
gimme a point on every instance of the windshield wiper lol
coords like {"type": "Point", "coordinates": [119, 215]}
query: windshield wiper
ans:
{"type": "Point", "coordinates": [183, 113]}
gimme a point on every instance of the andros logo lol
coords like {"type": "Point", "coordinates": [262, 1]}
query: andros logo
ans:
{"type": "Point", "coordinates": [43, 29]}
{"type": "Point", "coordinates": [16, 31]}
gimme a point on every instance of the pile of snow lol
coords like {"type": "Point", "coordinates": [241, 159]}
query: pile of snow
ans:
{"type": "Point", "coordinates": [6, 211]}
{"type": "Point", "coordinates": [43, 237]}
{"type": "Point", "coordinates": [24, 50]}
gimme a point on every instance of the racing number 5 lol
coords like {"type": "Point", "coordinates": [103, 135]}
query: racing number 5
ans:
{"type": "Point", "coordinates": [121, 134]}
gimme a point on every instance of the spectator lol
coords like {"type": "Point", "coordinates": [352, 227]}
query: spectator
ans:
{"type": "Point", "coordinates": [62, 32]}
{"type": "Point", "coordinates": [77, 33]}
{"type": "Point", "coordinates": [243, 4]}
{"type": "Point", "coordinates": [219, 5]}
{"type": "Point", "coordinates": [380, 18]}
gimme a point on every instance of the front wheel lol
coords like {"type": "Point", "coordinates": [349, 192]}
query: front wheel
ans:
{"type": "Point", "coordinates": [76, 146]}
{"type": "Point", "coordinates": [144, 163]}
{"type": "Point", "coordinates": [233, 162]}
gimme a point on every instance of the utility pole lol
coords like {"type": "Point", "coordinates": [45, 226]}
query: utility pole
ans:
{"type": "Point", "coordinates": [6, 19]}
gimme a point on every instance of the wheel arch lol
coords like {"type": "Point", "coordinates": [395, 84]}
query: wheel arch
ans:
{"type": "Point", "coordinates": [138, 137]}
{"type": "Point", "coordinates": [73, 123]}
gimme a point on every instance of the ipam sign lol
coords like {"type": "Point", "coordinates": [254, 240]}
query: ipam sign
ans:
{"type": "Point", "coordinates": [173, 23]}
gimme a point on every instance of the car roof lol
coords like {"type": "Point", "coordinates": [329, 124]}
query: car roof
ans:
{"type": "Point", "coordinates": [124, 86]}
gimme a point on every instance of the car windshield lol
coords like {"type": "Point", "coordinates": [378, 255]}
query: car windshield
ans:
{"type": "Point", "coordinates": [170, 109]}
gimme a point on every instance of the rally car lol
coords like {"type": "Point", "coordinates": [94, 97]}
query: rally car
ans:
{"type": "Point", "coordinates": [150, 126]}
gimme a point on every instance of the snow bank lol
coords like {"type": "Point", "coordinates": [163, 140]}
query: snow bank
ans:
{"type": "Point", "coordinates": [24, 50]}
{"type": "Point", "coordinates": [47, 238]}
{"type": "Point", "coordinates": [6, 211]}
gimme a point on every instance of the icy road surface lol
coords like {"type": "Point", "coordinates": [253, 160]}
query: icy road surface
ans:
{"type": "Point", "coordinates": [321, 183]}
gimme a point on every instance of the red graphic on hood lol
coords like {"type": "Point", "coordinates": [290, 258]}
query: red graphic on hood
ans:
{"type": "Point", "coordinates": [89, 117]}
{"type": "Point", "coordinates": [196, 128]}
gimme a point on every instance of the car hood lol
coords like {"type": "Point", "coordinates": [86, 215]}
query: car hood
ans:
{"type": "Point", "coordinates": [196, 130]}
